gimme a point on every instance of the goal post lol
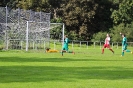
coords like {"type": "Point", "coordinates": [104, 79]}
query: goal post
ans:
{"type": "Point", "coordinates": [63, 30]}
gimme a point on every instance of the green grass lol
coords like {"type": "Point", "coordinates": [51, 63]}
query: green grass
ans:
{"type": "Point", "coordinates": [88, 68]}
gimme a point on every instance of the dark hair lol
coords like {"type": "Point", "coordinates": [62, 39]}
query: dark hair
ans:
{"type": "Point", "coordinates": [66, 35]}
{"type": "Point", "coordinates": [124, 35]}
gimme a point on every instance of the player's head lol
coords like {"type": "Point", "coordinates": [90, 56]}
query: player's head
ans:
{"type": "Point", "coordinates": [65, 36]}
{"type": "Point", "coordinates": [123, 35]}
{"type": "Point", "coordinates": [107, 35]}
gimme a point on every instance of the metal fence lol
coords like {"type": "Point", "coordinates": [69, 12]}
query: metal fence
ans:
{"type": "Point", "coordinates": [13, 24]}
{"type": "Point", "coordinates": [88, 45]}
{"type": "Point", "coordinates": [73, 45]}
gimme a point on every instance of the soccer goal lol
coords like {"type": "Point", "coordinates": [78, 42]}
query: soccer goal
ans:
{"type": "Point", "coordinates": [27, 29]}
{"type": "Point", "coordinates": [40, 34]}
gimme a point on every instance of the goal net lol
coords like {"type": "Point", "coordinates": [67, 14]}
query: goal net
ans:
{"type": "Point", "coordinates": [39, 35]}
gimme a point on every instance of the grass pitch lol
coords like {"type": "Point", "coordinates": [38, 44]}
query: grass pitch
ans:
{"type": "Point", "coordinates": [86, 69]}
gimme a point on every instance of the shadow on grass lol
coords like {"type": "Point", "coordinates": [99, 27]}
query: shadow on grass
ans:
{"type": "Point", "coordinates": [35, 59]}
{"type": "Point", "coordinates": [57, 59]}
{"type": "Point", "coordinates": [52, 73]}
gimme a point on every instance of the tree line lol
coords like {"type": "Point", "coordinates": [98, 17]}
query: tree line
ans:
{"type": "Point", "coordinates": [88, 20]}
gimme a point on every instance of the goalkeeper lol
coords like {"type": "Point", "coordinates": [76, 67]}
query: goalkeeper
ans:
{"type": "Point", "coordinates": [65, 46]}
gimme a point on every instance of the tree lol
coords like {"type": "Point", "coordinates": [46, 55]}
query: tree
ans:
{"type": "Point", "coordinates": [86, 17]}
{"type": "Point", "coordinates": [124, 14]}
{"type": "Point", "coordinates": [127, 30]}
{"type": "Point", "coordinates": [100, 36]}
{"type": "Point", "coordinates": [3, 3]}
{"type": "Point", "coordinates": [123, 20]}
{"type": "Point", "coordinates": [77, 14]}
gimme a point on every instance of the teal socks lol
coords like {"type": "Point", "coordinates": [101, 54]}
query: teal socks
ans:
{"type": "Point", "coordinates": [128, 51]}
{"type": "Point", "coordinates": [122, 54]}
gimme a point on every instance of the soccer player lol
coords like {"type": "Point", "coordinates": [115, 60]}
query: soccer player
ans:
{"type": "Point", "coordinates": [65, 46]}
{"type": "Point", "coordinates": [124, 44]}
{"type": "Point", "coordinates": [107, 44]}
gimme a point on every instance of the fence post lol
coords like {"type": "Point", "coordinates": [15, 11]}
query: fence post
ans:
{"type": "Point", "coordinates": [87, 44]}
{"type": "Point", "coordinates": [33, 45]}
{"type": "Point", "coordinates": [112, 45]}
{"type": "Point", "coordinates": [80, 44]}
{"type": "Point", "coordinates": [117, 45]}
{"type": "Point", "coordinates": [21, 45]}
{"type": "Point", "coordinates": [44, 45]}
{"type": "Point", "coordinates": [94, 45]}
{"type": "Point", "coordinates": [72, 44]}
{"type": "Point", "coordinates": [100, 45]}
{"type": "Point", "coordinates": [54, 45]}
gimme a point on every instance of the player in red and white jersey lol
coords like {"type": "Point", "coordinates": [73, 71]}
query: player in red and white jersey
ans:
{"type": "Point", "coordinates": [107, 44]}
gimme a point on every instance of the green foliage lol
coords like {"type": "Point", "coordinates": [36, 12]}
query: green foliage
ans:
{"type": "Point", "coordinates": [115, 33]}
{"type": "Point", "coordinates": [124, 14]}
{"type": "Point", "coordinates": [56, 33]}
{"type": "Point", "coordinates": [86, 17]}
{"type": "Point", "coordinates": [57, 20]}
{"type": "Point", "coordinates": [4, 2]}
{"type": "Point", "coordinates": [126, 29]}
{"type": "Point", "coordinates": [75, 14]}
{"type": "Point", "coordinates": [100, 36]}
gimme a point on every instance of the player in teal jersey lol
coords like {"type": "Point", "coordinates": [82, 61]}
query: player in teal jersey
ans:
{"type": "Point", "coordinates": [124, 44]}
{"type": "Point", "coordinates": [66, 41]}
{"type": "Point", "coordinates": [65, 46]}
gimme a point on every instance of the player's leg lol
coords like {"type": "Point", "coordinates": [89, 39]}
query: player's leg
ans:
{"type": "Point", "coordinates": [123, 50]}
{"type": "Point", "coordinates": [110, 48]}
{"type": "Point", "coordinates": [122, 53]}
{"type": "Point", "coordinates": [128, 50]}
{"type": "Point", "coordinates": [71, 52]}
{"type": "Point", "coordinates": [63, 50]}
{"type": "Point", "coordinates": [104, 46]}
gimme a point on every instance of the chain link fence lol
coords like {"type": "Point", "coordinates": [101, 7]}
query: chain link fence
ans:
{"type": "Point", "coordinates": [13, 25]}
